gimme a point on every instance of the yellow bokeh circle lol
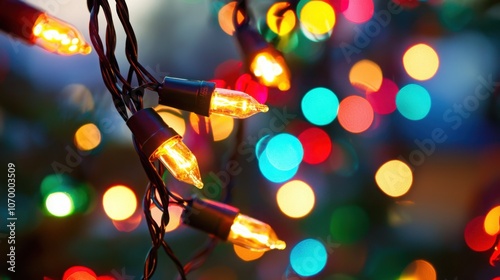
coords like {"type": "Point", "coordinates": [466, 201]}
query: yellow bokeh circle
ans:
{"type": "Point", "coordinates": [119, 202]}
{"type": "Point", "coordinates": [279, 20]}
{"type": "Point", "coordinates": [246, 254]}
{"type": "Point", "coordinates": [87, 137]}
{"type": "Point", "coordinates": [295, 199]}
{"type": "Point", "coordinates": [317, 17]}
{"type": "Point", "coordinates": [421, 62]}
{"type": "Point", "coordinates": [394, 178]}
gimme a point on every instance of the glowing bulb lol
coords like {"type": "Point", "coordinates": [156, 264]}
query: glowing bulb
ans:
{"type": "Point", "coordinates": [235, 104]}
{"type": "Point", "coordinates": [180, 161]}
{"type": "Point", "coordinates": [254, 235]}
{"type": "Point", "coordinates": [58, 37]}
{"type": "Point", "coordinates": [203, 98]}
{"type": "Point", "coordinates": [159, 141]}
{"type": "Point", "coordinates": [269, 69]}
{"type": "Point", "coordinates": [226, 223]}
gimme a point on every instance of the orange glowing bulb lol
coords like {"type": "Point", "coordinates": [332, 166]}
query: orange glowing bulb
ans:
{"type": "Point", "coordinates": [254, 235]}
{"type": "Point", "coordinates": [236, 104]}
{"type": "Point", "coordinates": [180, 161]}
{"type": "Point", "coordinates": [58, 37]}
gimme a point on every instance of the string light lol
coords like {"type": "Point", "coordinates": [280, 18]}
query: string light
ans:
{"type": "Point", "coordinates": [159, 141]}
{"type": "Point", "coordinates": [31, 25]}
{"type": "Point", "coordinates": [226, 223]}
{"type": "Point", "coordinates": [203, 98]}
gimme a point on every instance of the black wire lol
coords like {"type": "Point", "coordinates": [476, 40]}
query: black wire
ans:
{"type": "Point", "coordinates": [120, 87]}
{"type": "Point", "coordinates": [127, 96]}
{"type": "Point", "coordinates": [157, 232]}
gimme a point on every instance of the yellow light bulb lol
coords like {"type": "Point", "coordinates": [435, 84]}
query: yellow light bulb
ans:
{"type": "Point", "coordinates": [58, 37]}
{"type": "Point", "coordinates": [235, 104]}
{"type": "Point", "coordinates": [254, 235]}
{"type": "Point", "coordinates": [180, 161]}
{"type": "Point", "coordinates": [271, 70]}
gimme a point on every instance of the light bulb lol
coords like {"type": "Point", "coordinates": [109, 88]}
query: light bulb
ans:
{"type": "Point", "coordinates": [58, 37]}
{"type": "Point", "coordinates": [159, 141]}
{"type": "Point", "coordinates": [180, 161]}
{"type": "Point", "coordinates": [226, 223]}
{"type": "Point", "coordinates": [254, 235]}
{"type": "Point", "coordinates": [264, 61]}
{"type": "Point", "coordinates": [203, 98]}
{"type": "Point", "coordinates": [33, 26]}
{"type": "Point", "coordinates": [236, 104]}
{"type": "Point", "coordinates": [270, 69]}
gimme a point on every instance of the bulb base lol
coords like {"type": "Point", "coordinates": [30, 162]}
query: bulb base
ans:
{"type": "Point", "coordinates": [188, 95]}
{"type": "Point", "coordinates": [150, 130]}
{"type": "Point", "coordinates": [18, 19]}
{"type": "Point", "coordinates": [210, 216]}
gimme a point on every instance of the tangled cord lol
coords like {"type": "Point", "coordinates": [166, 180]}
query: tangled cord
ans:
{"type": "Point", "coordinates": [128, 97]}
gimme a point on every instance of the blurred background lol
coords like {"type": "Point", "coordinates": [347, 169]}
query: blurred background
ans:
{"type": "Point", "coordinates": [382, 161]}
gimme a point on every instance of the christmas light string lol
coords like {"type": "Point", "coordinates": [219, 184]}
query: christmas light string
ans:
{"type": "Point", "coordinates": [155, 141]}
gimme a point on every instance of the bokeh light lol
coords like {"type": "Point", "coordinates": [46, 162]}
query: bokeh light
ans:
{"type": "Point", "coordinates": [79, 273]}
{"type": "Point", "coordinates": [227, 72]}
{"type": "Point", "coordinates": [280, 19]}
{"type": "Point", "coordinates": [394, 178]}
{"type": "Point", "coordinates": [284, 151]}
{"type": "Point", "coordinates": [413, 102]}
{"type": "Point", "coordinates": [308, 257]}
{"type": "Point", "coordinates": [225, 17]}
{"type": "Point", "coordinates": [106, 277]}
{"type": "Point", "coordinates": [77, 96]}
{"type": "Point", "coordinates": [66, 195]}
{"type": "Point", "coordinates": [320, 106]}
{"type": "Point", "coordinates": [247, 84]}
{"type": "Point", "coordinates": [317, 145]}
{"type": "Point", "coordinates": [87, 137]}
{"type": "Point", "coordinates": [317, 18]}
{"type": "Point", "coordinates": [340, 5]}
{"type": "Point", "coordinates": [355, 114]}
{"type": "Point", "coordinates": [119, 202]}
{"type": "Point", "coordinates": [129, 224]}
{"type": "Point", "coordinates": [366, 75]}
{"type": "Point", "coordinates": [295, 199]}
{"type": "Point", "coordinates": [419, 269]}
{"type": "Point", "coordinates": [476, 237]}
{"type": "Point", "coordinates": [261, 145]}
{"type": "Point", "coordinates": [348, 224]}
{"type": "Point", "coordinates": [279, 156]}
{"type": "Point", "coordinates": [492, 221]}
{"type": "Point", "coordinates": [221, 126]}
{"type": "Point", "coordinates": [200, 124]}
{"type": "Point", "coordinates": [59, 204]}
{"type": "Point", "coordinates": [359, 11]}
{"type": "Point", "coordinates": [274, 174]}
{"type": "Point", "coordinates": [247, 254]}
{"type": "Point", "coordinates": [421, 62]}
{"type": "Point", "coordinates": [383, 101]}
{"type": "Point", "coordinates": [174, 212]}
{"type": "Point", "coordinates": [173, 117]}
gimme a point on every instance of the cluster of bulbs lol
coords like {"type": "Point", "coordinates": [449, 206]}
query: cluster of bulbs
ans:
{"type": "Point", "coordinates": [160, 142]}
{"type": "Point", "coordinates": [156, 139]}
